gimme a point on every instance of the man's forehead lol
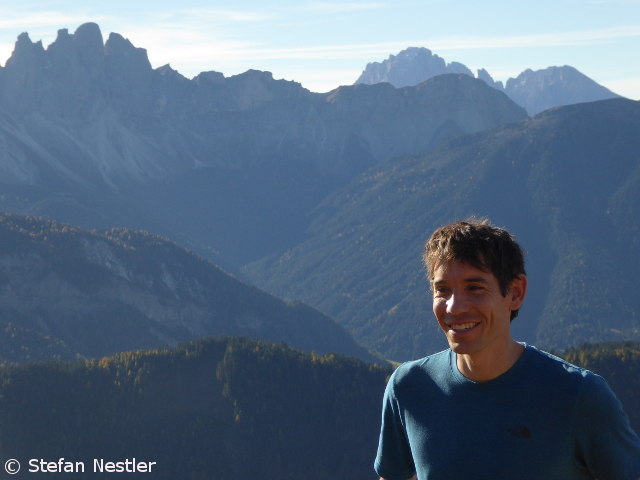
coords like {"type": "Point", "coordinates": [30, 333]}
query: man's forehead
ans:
{"type": "Point", "coordinates": [469, 272]}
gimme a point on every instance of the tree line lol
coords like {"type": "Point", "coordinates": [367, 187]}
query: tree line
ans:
{"type": "Point", "coordinates": [225, 408]}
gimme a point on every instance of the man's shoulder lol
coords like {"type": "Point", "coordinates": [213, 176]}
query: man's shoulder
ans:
{"type": "Point", "coordinates": [551, 366]}
{"type": "Point", "coordinates": [431, 365]}
{"type": "Point", "coordinates": [435, 360]}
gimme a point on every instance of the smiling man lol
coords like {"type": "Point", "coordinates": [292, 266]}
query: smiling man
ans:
{"type": "Point", "coordinates": [489, 407]}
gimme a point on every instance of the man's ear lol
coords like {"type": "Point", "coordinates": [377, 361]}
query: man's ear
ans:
{"type": "Point", "coordinates": [518, 291]}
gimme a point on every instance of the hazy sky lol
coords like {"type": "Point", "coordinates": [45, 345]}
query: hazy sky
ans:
{"type": "Point", "coordinates": [324, 44]}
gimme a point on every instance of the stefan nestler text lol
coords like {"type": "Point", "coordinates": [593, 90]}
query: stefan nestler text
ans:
{"type": "Point", "coordinates": [99, 465]}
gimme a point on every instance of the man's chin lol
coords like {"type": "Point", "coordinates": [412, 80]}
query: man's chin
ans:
{"type": "Point", "coordinates": [461, 348]}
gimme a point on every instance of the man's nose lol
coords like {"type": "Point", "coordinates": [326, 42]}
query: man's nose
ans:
{"type": "Point", "coordinates": [457, 304]}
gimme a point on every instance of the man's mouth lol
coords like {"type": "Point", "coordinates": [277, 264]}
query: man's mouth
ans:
{"type": "Point", "coordinates": [462, 327]}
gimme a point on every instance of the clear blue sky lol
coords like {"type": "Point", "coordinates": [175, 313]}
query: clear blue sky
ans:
{"type": "Point", "coordinates": [324, 44]}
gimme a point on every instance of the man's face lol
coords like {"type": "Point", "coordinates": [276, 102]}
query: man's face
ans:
{"type": "Point", "coordinates": [470, 308]}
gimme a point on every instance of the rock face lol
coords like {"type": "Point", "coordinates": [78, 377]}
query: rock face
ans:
{"type": "Point", "coordinates": [65, 80]}
{"type": "Point", "coordinates": [410, 67]}
{"type": "Point", "coordinates": [236, 164]}
{"type": "Point", "coordinates": [535, 91]}
{"type": "Point", "coordinates": [90, 114]}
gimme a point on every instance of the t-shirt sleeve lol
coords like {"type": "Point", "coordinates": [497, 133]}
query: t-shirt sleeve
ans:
{"type": "Point", "coordinates": [605, 443]}
{"type": "Point", "coordinates": [394, 460]}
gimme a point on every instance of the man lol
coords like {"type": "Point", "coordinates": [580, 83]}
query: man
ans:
{"type": "Point", "coordinates": [490, 407]}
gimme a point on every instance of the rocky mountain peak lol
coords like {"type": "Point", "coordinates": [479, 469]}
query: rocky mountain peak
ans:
{"type": "Point", "coordinates": [130, 76]}
{"type": "Point", "coordinates": [90, 48]}
{"type": "Point", "coordinates": [89, 33]}
{"type": "Point", "coordinates": [167, 71]}
{"type": "Point", "coordinates": [25, 50]}
{"type": "Point", "coordinates": [535, 91]}
{"type": "Point", "coordinates": [409, 67]}
{"type": "Point", "coordinates": [22, 75]}
{"type": "Point", "coordinates": [62, 38]}
{"type": "Point", "coordinates": [121, 51]}
{"type": "Point", "coordinates": [25, 54]}
{"type": "Point", "coordinates": [488, 79]}
{"type": "Point", "coordinates": [77, 55]}
{"type": "Point", "coordinates": [254, 88]}
{"type": "Point", "coordinates": [210, 77]}
{"type": "Point", "coordinates": [61, 80]}
{"type": "Point", "coordinates": [550, 87]}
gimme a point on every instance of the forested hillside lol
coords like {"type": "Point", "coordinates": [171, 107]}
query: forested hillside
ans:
{"type": "Point", "coordinates": [67, 292]}
{"type": "Point", "coordinates": [566, 183]}
{"type": "Point", "coordinates": [223, 408]}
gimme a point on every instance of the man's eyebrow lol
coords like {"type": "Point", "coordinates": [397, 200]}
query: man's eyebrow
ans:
{"type": "Point", "coordinates": [475, 280]}
{"type": "Point", "coordinates": [435, 283]}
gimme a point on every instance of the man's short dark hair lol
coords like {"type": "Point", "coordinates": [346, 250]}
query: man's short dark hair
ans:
{"type": "Point", "coordinates": [480, 244]}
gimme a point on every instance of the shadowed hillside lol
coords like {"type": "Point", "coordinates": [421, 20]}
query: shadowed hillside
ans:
{"type": "Point", "coordinates": [225, 408]}
{"type": "Point", "coordinates": [67, 292]}
{"type": "Point", "coordinates": [566, 183]}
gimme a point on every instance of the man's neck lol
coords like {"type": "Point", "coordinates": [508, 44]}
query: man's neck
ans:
{"type": "Point", "coordinates": [489, 364]}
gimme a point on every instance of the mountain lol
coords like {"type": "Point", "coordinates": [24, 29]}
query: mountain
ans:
{"type": "Point", "coordinates": [554, 86]}
{"type": "Point", "coordinates": [95, 116]}
{"type": "Point", "coordinates": [566, 183]}
{"type": "Point", "coordinates": [534, 90]}
{"type": "Point", "coordinates": [224, 408]}
{"type": "Point", "coordinates": [65, 292]}
{"type": "Point", "coordinates": [409, 67]}
{"type": "Point", "coordinates": [92, 135]}
{"type": "Point", "coordinates": [247, 213]}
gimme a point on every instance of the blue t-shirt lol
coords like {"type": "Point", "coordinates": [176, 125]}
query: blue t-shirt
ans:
{"type": "Point", "coordinates": [543, 419]}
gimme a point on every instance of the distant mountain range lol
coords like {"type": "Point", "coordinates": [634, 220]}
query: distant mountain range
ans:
{"type": "Point", "coordinates": [65, 292]}
{"type": "Point", "coordinates": [91, 135]}
{"type": "Point", "coordinates": [318, 198]}
{"type": "Point", "coordinates": [323, 198]}
{"type": "Point", "coordinates": [535, 91]}
{"type": "Point", "coordinates": [566, 182]}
